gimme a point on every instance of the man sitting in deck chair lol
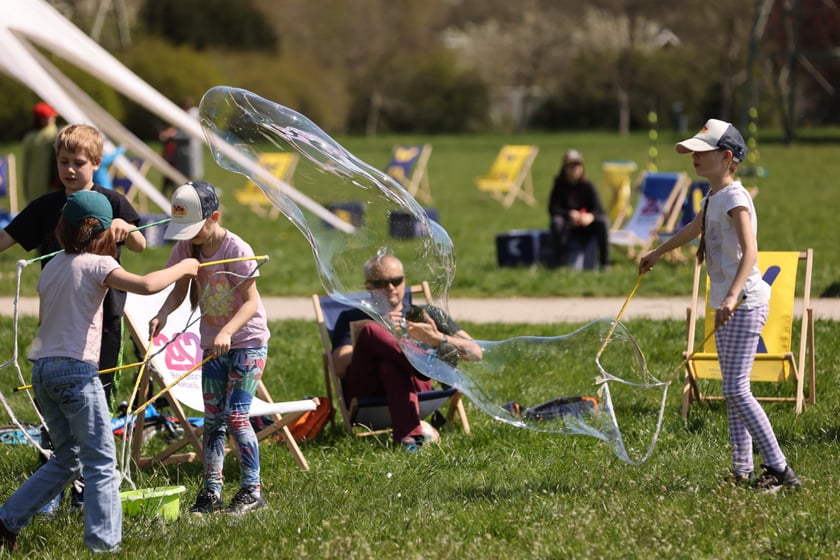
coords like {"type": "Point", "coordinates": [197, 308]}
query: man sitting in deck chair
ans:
{"type": "Point", "coordinates": [369, 359]}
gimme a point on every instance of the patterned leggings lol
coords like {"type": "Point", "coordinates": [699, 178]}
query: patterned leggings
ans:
{"type": "Point", "coordinates": [737, 342]}
{"type": "Point", "coordinates": [229, 383]}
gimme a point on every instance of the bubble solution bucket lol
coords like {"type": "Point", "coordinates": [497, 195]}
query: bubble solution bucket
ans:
{"type": "Point", "coordinates": [163, 502]}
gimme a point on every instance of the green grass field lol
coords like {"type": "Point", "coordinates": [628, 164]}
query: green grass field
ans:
{"type": "Point", "coordinates": [502, 492]}
{"type": "Point", "coordinates": [797, 207]}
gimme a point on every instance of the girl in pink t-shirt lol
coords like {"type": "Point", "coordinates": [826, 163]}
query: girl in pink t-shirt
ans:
{"type": "Point", "coordinates": [234, 331]}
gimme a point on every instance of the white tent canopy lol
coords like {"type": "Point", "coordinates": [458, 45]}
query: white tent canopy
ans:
{"type": "Point", "coordinates": [27, 24]}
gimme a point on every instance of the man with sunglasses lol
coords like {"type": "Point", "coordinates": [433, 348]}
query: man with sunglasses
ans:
{"type": "Point", "coordinates": [376, 366]}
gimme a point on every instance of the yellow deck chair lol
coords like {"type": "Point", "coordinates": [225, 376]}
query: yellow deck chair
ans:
{"type": "Point", "coordinates": [280, 164]}
{"type": "Point", "coordinates": [509, 177]}
{"type": "Point", "coordinates": [775, 362]}
{"type": "Point", "coordinates": [408, 167]}
{"type": "Point", "coordinates": [371, 416]}
{"type": "Point", "coordinates": [178, 358]}
{"type": "Point", "coordinates": [657, 211]}
{"type": "Point", "coordinates": [8, 182]}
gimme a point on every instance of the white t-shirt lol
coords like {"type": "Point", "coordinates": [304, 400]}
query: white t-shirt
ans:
{"type": "Point", "coordinates": [71, 289]}
{"type": "Point", "coordinates": [724, 252]}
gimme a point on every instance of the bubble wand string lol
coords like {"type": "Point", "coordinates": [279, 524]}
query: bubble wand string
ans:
{"type": "Point", "coordinates": [131, 423]}
{"type": "Point", "coordinates": [618, 317]}
{"type": "Point", "coordinates": [54, 253]}
{"type": "Point", "coordinates": [135, 364]}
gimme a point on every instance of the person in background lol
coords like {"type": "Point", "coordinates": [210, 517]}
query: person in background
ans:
{"type": "Point", "coordinates": [182, 151]}
{"type": "Point", "coordinates": [574, 208]}
{"type": "Point", "coordinates": [38, 172]}
{"type": "Point", "coordinates": [376, 366]}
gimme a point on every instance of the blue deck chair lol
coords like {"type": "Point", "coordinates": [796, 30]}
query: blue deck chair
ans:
{"type": "Point", "coordinates": [8, 184]}
{"type": "Point", "coordinates": [656, 212]}
{"type": "Point", "coordinates": [371, 415]}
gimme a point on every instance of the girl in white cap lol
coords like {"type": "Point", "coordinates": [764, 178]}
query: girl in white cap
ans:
{"type": "Point", "coordinates": [69, 392]}
{"type": "Point", "coordinates": [234, 330]}
{"type": "Point", "coordinates": [727, 227]}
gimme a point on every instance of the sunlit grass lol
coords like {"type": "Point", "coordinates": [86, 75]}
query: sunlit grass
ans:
{"type": "Point", "coordinates": [497, 493]}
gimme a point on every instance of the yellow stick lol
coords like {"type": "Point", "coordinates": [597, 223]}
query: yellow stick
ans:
{"type": "Point", "coordinates": [168, 387]}
{"type": "Point", "coordinates": [620, 313]}
{"type": "Point", "coordinates": [100, 372]}
{"type": "Point", "coordinates": [238, 259]}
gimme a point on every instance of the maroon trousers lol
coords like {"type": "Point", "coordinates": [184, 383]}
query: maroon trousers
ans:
{"type": "Point", "coordinates": [378, 368]}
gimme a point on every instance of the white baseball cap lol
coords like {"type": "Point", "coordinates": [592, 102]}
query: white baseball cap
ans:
{"type": "Point", "coordinates": [192, 203]}
{"type": "Point", "coordinates": [715, 135]}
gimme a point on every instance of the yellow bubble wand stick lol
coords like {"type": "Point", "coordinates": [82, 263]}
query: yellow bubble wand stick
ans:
{"type": "Point", "coordinates": [618, 317]}
{"type": "Point", "coordinates": [171, 385]}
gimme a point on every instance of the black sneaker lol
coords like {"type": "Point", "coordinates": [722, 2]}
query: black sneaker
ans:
{"type": "Point", "coordinates": [8, 540]}
{"type": "Point", "coordinates": [207, 502]}
{"type": "Point", "coordinates": [245, 500]}
{"type": "Point", "coordinates": [772, 480]}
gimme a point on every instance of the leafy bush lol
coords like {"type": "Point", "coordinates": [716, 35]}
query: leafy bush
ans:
{"type": "Point", "coordinates": [164, 67]}
{"type": "Point", "coordinates": [16, 109]}
{"type": "Point", "coordinates": [205, 24]}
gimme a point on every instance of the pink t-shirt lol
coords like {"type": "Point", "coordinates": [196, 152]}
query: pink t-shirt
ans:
{"type": "Point", "coordinates": [71, 289]}
{"type": "Point", "coordinates": [218, 300]}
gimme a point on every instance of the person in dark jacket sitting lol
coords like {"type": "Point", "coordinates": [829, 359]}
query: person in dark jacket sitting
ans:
{"type": "Point", "coordinates": [575, 210]}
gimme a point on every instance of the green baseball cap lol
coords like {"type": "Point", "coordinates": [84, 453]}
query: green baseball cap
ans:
{"type": "Point", "coordinates": [88, 204]}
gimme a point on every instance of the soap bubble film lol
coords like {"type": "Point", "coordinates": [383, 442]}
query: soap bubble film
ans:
{"type": "Point", "coordinates": [593, 381]}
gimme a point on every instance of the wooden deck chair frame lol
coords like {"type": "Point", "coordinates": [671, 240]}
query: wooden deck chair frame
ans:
{"type": "Point", "coordinates": [629, 235]}
{"type": "Point", "coordinates": [282, 165]}
{"type": "Point", "coordinates": [185, 353]}
{"type": "Point", "coordinates": [371, 416]}
{"type": "Point", "coordinates": [774, 366]}
{"type": "Point", "coordinates": [507, 184]}
{"type": "Point", "coordinates": [414, 178]}
{"type": "Point", "coordinates": [123, 184]}
{"type": "Point", "coordinates": [8, 182]}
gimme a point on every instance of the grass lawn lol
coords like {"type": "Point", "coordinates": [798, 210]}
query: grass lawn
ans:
{"type": "Point", "coordinates": [797, 207]}
{"type": "Point", "coordinates": [500, 492]}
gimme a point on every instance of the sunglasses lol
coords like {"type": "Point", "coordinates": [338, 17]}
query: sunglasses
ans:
{"type": "Point", "coordinates": [381, 283]}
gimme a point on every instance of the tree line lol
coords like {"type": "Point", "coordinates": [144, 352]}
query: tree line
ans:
{"type": "Point", "coordinates": [451, 66]}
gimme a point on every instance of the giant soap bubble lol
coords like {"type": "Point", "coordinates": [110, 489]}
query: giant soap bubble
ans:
{"type": "Point", "coordinates": [593, 381]}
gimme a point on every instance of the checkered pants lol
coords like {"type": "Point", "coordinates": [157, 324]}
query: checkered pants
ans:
{"type": "Point", "coordinates": [736, 345]}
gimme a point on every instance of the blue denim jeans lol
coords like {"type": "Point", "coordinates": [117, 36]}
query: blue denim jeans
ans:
{"type": "Point", "coordinates": [73, 404]}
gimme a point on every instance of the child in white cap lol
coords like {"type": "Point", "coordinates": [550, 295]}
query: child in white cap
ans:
{"type": "Point", "coordinates": [727, 227]}
{"type": "Point", "coordinates": [65, 379]}
{"type": "Point", "coordinates": [233, 329]}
